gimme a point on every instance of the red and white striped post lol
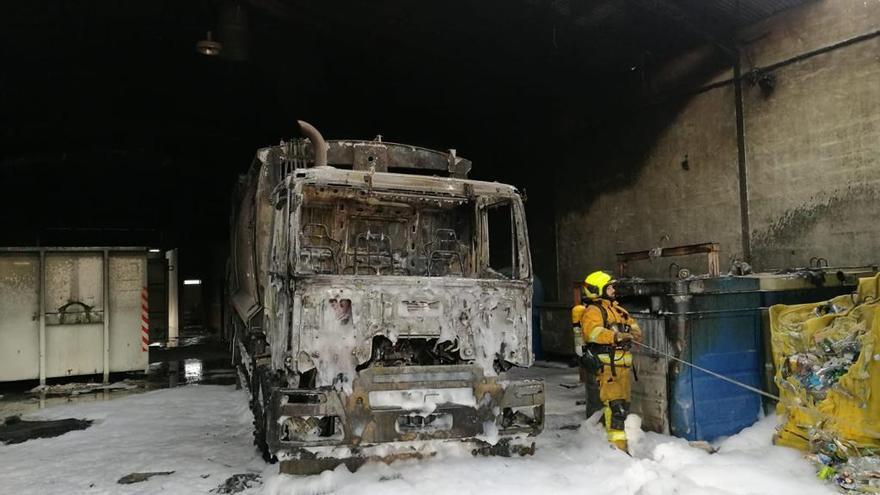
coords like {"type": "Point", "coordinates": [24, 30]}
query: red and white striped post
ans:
{"type": "Point", "coordinates": [145, 321]}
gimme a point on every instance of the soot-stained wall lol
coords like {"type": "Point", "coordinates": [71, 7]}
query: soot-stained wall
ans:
{"type": "Point", "coordinates": [812, 147]}
{"type": "Point", "coordinates": [691, 165]}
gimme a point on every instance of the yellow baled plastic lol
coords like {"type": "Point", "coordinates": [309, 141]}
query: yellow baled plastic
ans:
{"type": "Point", "coordinates": [869, 288]}
{"type": "Point", "coordinates": [850, 412]}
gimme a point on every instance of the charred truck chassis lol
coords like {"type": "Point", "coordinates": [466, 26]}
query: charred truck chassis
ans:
{"type": "Point", "coordinates": [372, 318]}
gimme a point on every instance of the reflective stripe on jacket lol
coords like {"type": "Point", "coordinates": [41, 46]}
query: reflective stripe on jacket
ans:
{"type": "Point", "coordinates": [621, 358]}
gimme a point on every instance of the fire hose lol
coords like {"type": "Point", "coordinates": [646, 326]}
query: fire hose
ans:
{"type": "Point", "coordinates": [709, 372]}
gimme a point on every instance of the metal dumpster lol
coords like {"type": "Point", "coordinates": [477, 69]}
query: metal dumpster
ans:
{"type": "Point", "coordinates": [718, 323]}
{"type": "Point", "coordinates": [714, 323]}
{"type": "Point", "coordinates": [72, 311]}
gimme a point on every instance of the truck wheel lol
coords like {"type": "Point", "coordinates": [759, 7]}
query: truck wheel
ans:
{"type": "Point", "coordinates": [258, 408]}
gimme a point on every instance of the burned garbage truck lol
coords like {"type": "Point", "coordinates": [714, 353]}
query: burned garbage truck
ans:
{"type": "Point", "coordinates": [378, 299]}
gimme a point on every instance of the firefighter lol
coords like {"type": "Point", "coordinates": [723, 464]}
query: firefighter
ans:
{"type": "Point", "coordinates": [608, 330]}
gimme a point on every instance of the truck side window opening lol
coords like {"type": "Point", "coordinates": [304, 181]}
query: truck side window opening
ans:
{"type": "Point", "coordinates": [503, 261]}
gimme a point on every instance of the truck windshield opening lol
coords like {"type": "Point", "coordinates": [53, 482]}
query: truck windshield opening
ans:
{"type": "Point", "coordinates": [344, 232]}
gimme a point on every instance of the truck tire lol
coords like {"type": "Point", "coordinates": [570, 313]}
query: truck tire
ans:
{"type": "Point", "coordinates": [262, 391]}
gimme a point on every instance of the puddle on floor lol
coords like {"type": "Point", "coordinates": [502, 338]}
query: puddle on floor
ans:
{"type": "Point", "coordinates": [192, 371]}
{"type": "Point", "coordinates": [16, 430]}
{"type": "Point", "coordinates": [198, 360]}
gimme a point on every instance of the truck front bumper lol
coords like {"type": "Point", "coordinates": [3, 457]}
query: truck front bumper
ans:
{"type": "Point", "coordinates": [403, 405]}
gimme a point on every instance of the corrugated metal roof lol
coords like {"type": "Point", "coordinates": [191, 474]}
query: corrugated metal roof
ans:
{"type": "Point", "coordinates": [714, 15]}
{"type": "Point", "coordinates": [739, 12]}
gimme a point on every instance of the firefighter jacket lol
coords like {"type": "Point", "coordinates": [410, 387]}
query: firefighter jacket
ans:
{"type": "Point", "coordinates": [599, 318]}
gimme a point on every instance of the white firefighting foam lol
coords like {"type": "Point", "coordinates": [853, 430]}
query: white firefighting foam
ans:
{"type": "Point", "coordinates": [203, 434]}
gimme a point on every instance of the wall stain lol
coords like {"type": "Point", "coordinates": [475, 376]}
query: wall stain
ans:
{"type": "Point", "coordinates": [796, 222]}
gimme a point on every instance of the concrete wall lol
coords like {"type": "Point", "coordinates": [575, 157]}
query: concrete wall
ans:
{"type": "Point", "coordinates": [664, 199]}
{"type": "Point", "coordinates": [813, 145]}
{"type": "Point", "coordinates": [812, 154]}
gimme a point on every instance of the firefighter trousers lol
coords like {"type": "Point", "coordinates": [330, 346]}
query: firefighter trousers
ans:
{"type": "Point", "coordinates": [614, 392]}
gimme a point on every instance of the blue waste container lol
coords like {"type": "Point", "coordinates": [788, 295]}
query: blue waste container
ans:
{"type": "Point", "coordinates": [717, 322]}
{"type": "Point", "coordinates": [714, 323]}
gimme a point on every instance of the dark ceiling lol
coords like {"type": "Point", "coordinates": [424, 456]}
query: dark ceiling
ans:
{"type": "Point", "coordinates": [113, 126]}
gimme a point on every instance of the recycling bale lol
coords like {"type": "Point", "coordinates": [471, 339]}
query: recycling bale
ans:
{"type": "Point", "coordinates": [828, 373]}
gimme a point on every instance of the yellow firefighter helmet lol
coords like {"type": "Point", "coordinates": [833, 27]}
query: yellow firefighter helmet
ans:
{"type": "Point", "coordinates": [594, 284]}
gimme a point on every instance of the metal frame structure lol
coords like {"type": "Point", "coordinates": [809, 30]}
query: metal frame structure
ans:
{"type": "Point", "coordinates": [710, 249]}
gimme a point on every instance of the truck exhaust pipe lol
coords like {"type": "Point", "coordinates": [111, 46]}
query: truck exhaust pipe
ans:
{"type": "Point", "coordinates": [309, 131]}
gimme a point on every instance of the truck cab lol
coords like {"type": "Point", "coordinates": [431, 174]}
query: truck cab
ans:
{"type": "Point", "coordinates": [377, 309]}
